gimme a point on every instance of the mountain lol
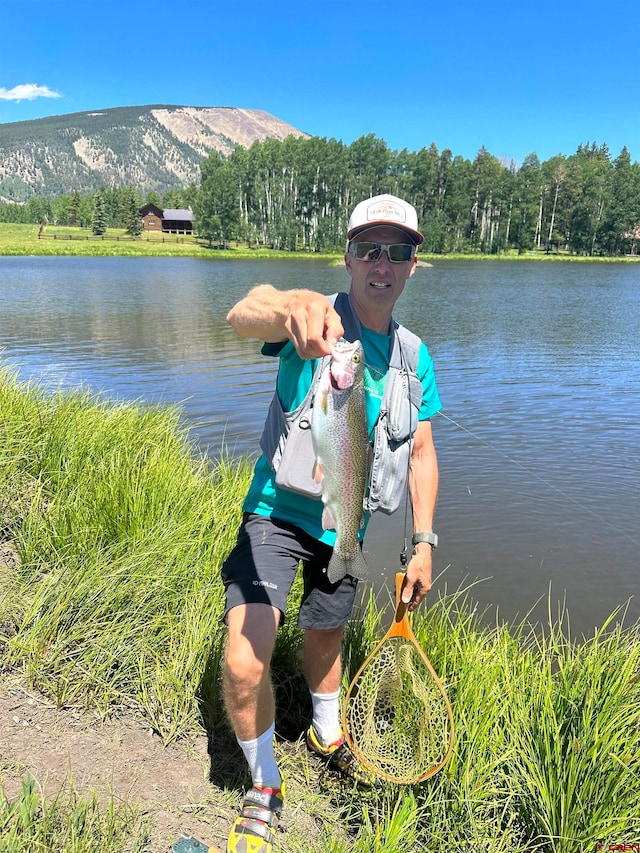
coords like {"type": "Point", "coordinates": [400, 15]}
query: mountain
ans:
{"type": "Point", "coordinates": [155, 147]}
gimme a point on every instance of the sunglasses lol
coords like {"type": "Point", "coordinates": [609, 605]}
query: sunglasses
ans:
{"type": "Point", "coordinates": [398, 253]}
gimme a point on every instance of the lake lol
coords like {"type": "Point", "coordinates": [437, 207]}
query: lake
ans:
{"type": "Point", "coordinates": [537, 366]}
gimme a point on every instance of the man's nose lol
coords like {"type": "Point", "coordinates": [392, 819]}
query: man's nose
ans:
{"type": "Point", "coordinates": [383, 259]}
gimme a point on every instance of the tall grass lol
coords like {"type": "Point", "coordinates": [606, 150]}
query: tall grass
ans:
{"type": "Point", "coordinates": [121, 530]}
{"type": "Point", "coordinates": [116, 604]}
{"type": "Point", "coordinates": [66, 823]}
{"type": "Point", "coordinates": [547, 752]}
{"type": "Point", "coordinates": [578, 759]}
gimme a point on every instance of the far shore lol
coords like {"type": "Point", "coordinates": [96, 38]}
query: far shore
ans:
{"type": "Point", "coordinates": [24, 240]}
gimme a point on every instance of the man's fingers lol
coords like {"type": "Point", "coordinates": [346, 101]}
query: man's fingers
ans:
{"type": "Point", "coordinates": [314, 327]}
{"type": "Point", "coordinates": [333, 334]}
{"type": "Point", "coordinates": [417, 583]}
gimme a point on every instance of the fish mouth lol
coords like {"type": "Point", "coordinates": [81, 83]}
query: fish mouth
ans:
{"type": "Point", "coordinates": [340, 383]}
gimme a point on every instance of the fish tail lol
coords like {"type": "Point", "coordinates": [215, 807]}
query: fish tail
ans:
{"type": "Point", "coordinates": [339, 567]}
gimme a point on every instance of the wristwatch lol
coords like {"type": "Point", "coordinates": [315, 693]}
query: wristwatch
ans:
{"type": "Point", "coordinates": [431, 538]}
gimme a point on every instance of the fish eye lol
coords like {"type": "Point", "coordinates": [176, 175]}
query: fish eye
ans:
{"type": "Point", "coordinates": [356, 357]}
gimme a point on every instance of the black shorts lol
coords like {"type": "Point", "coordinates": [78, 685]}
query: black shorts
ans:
{"type": "Point", "coordinates": [263, 564]}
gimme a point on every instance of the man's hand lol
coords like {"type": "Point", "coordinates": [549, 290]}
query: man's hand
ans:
{"type": "Point", "coordinates": [313, 325]}
{"type": "Point", "coordinates": [417, 581]}
{"type": "Point", "coordinates": [304, 317]}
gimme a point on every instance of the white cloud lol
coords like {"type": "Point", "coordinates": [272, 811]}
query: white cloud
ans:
{"type": "Point", "coordinates": [27, 92]}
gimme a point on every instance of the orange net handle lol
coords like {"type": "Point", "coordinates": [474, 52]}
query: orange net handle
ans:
{"type": "Point", "coordinates": [400, 626]}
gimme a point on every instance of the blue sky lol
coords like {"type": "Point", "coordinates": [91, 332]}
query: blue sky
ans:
{"type": "Point", "coordinates": [513, 75]}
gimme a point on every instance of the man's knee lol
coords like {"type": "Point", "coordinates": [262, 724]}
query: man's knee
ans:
{"type": "Point", "coordinates": [330, 637]}
{"type": "Point", "coordinates": [323, 645]}
{"type": "Point", "coordinates": [250, 642]}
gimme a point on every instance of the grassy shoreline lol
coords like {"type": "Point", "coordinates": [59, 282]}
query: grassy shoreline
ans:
{"type": "Point", "coordinates": [22, 240]}
{"type": "Point", "coordinates": [115, 603]}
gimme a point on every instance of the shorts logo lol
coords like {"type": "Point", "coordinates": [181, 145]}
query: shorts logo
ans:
{"type": "Point", "coordinates": [266, 583]}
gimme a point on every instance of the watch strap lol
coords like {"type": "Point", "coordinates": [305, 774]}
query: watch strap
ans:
{"type": "Point", "coordinates": [431, 538]}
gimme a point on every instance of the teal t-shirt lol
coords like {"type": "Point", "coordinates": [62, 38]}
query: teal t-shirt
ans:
{"type": "Point", "coordinates": [294, 380]}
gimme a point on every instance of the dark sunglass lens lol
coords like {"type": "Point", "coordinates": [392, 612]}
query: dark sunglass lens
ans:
{"type": "Point", "coordinates": [367, 251]}
{"type": "Point", "coordinates": [400, 252]}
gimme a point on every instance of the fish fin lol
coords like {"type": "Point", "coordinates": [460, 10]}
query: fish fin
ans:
{"type": "Point", "coordinates": [328, 520]}
{"type": "Point", "coordinates": [318, 472]}
{"type": "Point", "coordinates": [339, 567]}
{"type": "Point", "coordinates": [358, 567]}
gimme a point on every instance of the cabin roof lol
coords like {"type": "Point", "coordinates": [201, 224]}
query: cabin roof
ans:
{"type": "Point", "coordinates": [177, 213]}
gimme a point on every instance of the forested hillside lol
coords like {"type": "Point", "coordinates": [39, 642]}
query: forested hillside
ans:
{"type": "Point", "coordinates": [151, 148]}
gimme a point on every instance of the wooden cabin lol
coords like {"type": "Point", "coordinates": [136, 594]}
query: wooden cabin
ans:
{"type": "Point", "coordinates": [168, 220]}
{"type": "Point", "coordinates": [151, 217]}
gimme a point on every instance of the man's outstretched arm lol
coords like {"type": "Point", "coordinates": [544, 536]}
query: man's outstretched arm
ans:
{"type": "Point", "coordinates": [303, 316]}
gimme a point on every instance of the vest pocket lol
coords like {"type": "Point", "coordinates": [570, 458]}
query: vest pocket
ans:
{"type": "Point", "coordinates": [389, 470]}
{"type": "Point", "coordinates": [287, 444]}
{"type": "Point", "coordinates": [392, 444]}
{"type": "Point", "coordinates": [297, 460]}
{"type": "Point", "coordinates": [404, 403]}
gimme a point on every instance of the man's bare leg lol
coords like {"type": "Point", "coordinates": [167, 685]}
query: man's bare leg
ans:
{"type": "Point", "coordinates": [247, 686]}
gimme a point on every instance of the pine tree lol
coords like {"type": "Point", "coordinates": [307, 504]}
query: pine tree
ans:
{"type": "Point", "coordinates": [99, 220]}
{"type": "Point", "coordinates": [131, 215]}
{"type": "Point", "coordinates": [74, 207]}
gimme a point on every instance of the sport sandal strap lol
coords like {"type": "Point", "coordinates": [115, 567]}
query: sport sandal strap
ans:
{"type": "Point", "coordinates": [246, 826]}
{"type": "Point", "coordinates": [258, 819]}
{"type": "Point", "coordinates": [339, 757]}
{"type": "Point", "coordinates": [266, 816]}
{"type": "Point", "coordinates": [343, 759]}
{"type": "Point", "coordinates": [255, 798]}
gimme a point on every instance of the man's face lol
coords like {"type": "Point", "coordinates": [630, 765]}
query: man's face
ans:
{"type": "Point", "coordinates": [378, 284]}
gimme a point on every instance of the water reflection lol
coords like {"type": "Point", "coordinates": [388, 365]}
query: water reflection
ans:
{"type": "Point", "coordinates": [536, 363]}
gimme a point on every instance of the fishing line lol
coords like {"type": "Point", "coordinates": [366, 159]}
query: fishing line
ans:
{"type": "Point", "coordinates": [540, 479]}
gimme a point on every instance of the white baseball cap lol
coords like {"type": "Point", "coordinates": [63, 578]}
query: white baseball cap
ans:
{"type": "Point", "coordinates": [385, 210]}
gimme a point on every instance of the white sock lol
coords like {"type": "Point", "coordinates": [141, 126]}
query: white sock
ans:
{"type": "Point", "coordinates": [326, 716]}
{"type": "Point", "coordinates": [261, 759]}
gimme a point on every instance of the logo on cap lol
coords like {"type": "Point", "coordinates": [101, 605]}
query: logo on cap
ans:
{"type": "Point", "coordinates": [386, 210]}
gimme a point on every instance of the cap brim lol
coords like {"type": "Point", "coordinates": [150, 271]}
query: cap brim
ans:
{"type": "Point", "coordinates": [416, 236]}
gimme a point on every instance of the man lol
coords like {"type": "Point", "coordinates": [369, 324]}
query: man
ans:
{"type": "Point", "coordinates": [282, 528]}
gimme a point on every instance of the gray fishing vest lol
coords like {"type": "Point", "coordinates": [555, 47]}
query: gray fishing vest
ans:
{"type": "Point", "coordinates": [286, 438]}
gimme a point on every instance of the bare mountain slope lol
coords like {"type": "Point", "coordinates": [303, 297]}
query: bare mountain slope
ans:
{"type": "Point", "coordinates": [153, 147]}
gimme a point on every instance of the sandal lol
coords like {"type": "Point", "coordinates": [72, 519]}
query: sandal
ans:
{"type": "Point", "coordinates": [254, 830]}
{"type": "Point", "coordinates": [339, 757]}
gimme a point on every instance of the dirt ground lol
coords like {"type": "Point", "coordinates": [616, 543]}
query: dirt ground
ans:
{"type": "Point", "coordinates": [169, 785]}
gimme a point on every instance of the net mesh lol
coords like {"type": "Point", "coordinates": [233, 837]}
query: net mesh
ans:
{"type": "Point", "coordinates": [397, 714]}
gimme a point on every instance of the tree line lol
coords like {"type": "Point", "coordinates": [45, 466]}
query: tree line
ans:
{"type": "Point", "coordinates": [109, 207]}
{"type": "Point", "coordinates": [297, 194]}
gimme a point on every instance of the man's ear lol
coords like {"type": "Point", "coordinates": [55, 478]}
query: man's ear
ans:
{"type": "Point", "coordinates": [347, 262]}
{"type": "Point", "coordinates": [414, 264]}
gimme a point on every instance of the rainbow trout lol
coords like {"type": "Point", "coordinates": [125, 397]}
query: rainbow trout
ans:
{"type": "Point", "coordinates": [341, 445]}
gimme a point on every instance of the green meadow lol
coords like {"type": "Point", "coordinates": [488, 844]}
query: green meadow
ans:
{"type": "Point", "coordinates": [115, 605]}
{"type": "Point", "coordinates": [18, 239]}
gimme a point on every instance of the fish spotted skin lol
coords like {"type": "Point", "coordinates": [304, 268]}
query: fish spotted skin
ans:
{"type": "Point", "coordinates": [341, 444]}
